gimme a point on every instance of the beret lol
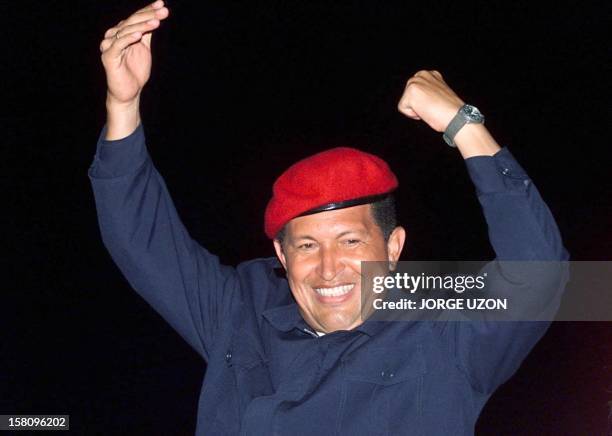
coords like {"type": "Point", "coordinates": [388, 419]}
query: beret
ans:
{"type": "Point", "coordinates": [332, 179]}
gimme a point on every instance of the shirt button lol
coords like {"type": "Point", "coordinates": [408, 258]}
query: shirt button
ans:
{"type": "Point", "coordinates": [228, 356]}
{"type": "Point", "coordinates": [505, 171]}
{"type": "Point", "coordinates": [386, 375]}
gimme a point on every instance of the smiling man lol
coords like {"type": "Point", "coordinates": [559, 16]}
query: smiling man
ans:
{"type": "Point", "coordinates": [291, 353]}
{"type": "Point", "coordinates": [329, 213]}
{"type": "Point", "coordinates": [322, 254]}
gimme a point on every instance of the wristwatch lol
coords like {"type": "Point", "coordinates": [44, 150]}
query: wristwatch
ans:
{"type": "Point", "coordinates": [467, 114]}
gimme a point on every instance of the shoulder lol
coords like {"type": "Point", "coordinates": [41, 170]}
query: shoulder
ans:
{"type": "Point", "coordinates": [258, 266]}
{"type": "Point", "coordinates": [264, 283]}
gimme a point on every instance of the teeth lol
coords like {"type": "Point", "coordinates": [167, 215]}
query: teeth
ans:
{"type": "Point", "coordinates": [334, 292]}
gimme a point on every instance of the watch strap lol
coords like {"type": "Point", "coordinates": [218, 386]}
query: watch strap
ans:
{"type": "Point", "coordinates": [453, 127]}
{"type": "Point", "coordinates": [467, 114]}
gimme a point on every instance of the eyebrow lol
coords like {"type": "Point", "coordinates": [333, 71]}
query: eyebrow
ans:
{"type": "Point", "coordinates": [341, 234]}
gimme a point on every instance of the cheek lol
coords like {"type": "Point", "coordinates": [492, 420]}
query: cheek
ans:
{"type": "Point", "coordinates": [298, 271]}
{"type": "Point", "coordinates": [367, 253]}
{"type": "Point", "coordinates": [379, 252]}
{"type": "Point", "coordinates": [354, 263]}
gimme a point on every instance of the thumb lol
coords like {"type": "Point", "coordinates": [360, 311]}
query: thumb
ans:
{"type": "Point", "coordinates": [146, 39]}
{"type": "Point", "coordinates": [408, 111]}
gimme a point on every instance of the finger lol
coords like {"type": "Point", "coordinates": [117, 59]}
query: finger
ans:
{"type": "Point", "coordinates": [429, 75]}
{"type": "Point", "coordinates": [414, 80]}
{"type": "Point", "coordinates": [404, 108]}
{"type": "Point", "coordinates": [158, 14]}
{"type": "Point", "coordinates": [108, 42]}
{"type": "Point", "coordinates": [155, 5]}
{"type": "Point", "coordinates": [111, 32]}
{"type": "Point", "coordinates": [119, 44]}
{"type": "Point", "coordinates": [438, 76]}
{"type": "Point", "coordinates": [145, 26]}
{"type": "Point", "coordinates": [411, 114]}
{"type": "Point", "coordinates": [146, 39]}
{"type": "Point", "coordinates": [105, 44]}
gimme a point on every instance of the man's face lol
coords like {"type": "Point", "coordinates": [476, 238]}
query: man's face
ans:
{"type": "Point", "coordinates": [322, 255]}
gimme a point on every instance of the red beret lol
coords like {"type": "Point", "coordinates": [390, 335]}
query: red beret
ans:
{"type": "Point", "coordinates": [333, 179]}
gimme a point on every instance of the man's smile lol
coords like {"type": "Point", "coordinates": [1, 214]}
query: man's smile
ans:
{"type": "Point", "coordinates": [334, 294]}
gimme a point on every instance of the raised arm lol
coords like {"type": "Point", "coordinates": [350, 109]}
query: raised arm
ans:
{"type": "Point", "coordinates": [138, 221]}
{"type": "Point", "coordinates": [520, 227]}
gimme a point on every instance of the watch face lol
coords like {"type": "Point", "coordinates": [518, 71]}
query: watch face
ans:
{"type": "Point", "coordinates": [472, 113]}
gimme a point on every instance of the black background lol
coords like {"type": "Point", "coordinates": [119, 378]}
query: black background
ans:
{"type": "Point", "coordinates": [239, 91]}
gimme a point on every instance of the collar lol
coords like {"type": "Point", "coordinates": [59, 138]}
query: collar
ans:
{"type": "Point", "coordinates": [285, 318]}
{"type": "Point", "coordinates": [288, 317]}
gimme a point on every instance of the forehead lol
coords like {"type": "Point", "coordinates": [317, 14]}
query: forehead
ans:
{"type": "Point", "coordinates": [355, 219]}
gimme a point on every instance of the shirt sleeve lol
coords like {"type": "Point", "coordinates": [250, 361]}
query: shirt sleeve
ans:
{"type": "Point", "coordinates": [520, 225]}
{"type": "Point", "coordinates": [520, 228]}
{"type": "Point", "coordinates": [145, 237]}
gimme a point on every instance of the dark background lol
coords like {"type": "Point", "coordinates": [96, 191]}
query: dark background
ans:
{"type": "Point", "coordinates": [239, 91]}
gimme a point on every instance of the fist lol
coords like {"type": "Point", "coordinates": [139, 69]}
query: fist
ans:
{"type": "Point", "coordinates": [427, 97]}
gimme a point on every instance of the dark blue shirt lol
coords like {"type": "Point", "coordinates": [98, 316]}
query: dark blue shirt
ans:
{"type": "Point", "coordinates": [268, 373]}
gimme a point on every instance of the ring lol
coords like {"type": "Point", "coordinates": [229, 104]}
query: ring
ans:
{"type": "Point", "coordinates": [117, 35]}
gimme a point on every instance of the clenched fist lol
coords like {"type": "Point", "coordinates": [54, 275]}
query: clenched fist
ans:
{"type": "Point", "coordinates": [427, 97]}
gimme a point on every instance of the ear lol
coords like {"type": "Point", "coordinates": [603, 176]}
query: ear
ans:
{"type": "Point", "coordinates": [280, 253]}
{"type": "Point", "coordinates": [395, 244]}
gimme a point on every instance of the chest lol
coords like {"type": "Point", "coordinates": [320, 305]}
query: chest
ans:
{"type": "Point", "coordinates": [342, 383]}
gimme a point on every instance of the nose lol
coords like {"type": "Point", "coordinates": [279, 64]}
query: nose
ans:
{"type": "Point", "coordinates": [330, 264]}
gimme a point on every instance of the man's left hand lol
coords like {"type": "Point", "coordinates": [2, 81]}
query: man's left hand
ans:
{"type": "Point", "coordinates": [427, 97]}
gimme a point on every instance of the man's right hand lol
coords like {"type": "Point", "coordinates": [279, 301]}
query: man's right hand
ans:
{"type": "Point", "coordinates": [126, 56]}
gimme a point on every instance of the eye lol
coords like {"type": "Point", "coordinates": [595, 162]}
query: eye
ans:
{"type": "Point", "coordinates": [306, 246]}
{"type": "Point", "coordinates": [352, 242]}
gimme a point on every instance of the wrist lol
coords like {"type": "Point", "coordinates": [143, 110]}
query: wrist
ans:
{"type": "Point", "coordinates": [115, 105]}
{"type": "Point", "coordinates": [122, 118]}
{"type": "Point", "coordinates": [475, 140]}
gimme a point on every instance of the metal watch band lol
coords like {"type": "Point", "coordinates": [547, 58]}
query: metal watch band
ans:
{"type": "Point", "coordinates": [467, 114]}
{"type": "Point", "coordinates": [453, 127]}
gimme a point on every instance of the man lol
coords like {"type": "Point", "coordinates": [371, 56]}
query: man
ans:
{"type": "Point", "coordinates": [294, 355]}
